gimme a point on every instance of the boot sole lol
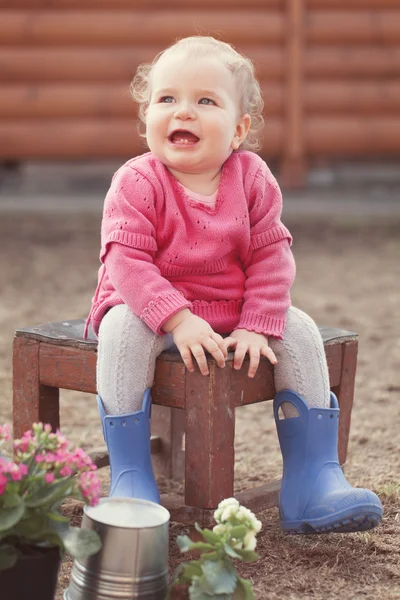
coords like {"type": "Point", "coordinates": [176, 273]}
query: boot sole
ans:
{"type": "Point", "coordinates": [346, 523]}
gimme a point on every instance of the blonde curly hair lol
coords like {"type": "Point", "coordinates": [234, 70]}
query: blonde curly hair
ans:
{"type": "Point", "coordinates": [251, 101]}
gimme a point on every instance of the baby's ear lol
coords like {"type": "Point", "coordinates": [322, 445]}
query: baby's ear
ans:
{"type": "Point", "coordinates": [242, 129]}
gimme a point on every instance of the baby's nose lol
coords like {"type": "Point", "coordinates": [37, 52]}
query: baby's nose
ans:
{"type": "Point", "coordinates": [184, 110]}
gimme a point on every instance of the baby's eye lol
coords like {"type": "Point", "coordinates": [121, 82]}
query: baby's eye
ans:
{"type": "Point", "coordinates": [206, 101]}
{"type": "Point", "coordinates": [167, 99]}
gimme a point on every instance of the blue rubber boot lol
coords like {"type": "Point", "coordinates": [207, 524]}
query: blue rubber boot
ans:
{"type": "Point", "coordinates": [128, 442]}
{"type": "Point", "coordinates": [315, 496]}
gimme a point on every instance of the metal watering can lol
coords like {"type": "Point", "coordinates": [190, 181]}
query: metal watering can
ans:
{"type": "Point", "coordinates": [133, 560]}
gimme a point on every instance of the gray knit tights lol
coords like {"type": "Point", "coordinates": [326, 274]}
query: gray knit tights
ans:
{"type": "Point", "coordinates": [128, 349]}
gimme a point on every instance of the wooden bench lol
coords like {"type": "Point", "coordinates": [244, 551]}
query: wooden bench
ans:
{"type": "Point", "coordinates": [53, 356]}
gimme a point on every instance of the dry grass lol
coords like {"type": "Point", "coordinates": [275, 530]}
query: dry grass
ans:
{"type": "Point", "coordinates": [348, 276]}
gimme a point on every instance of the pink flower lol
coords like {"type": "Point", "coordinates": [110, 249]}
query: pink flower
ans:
{"type": "Point", "coordinates": [90, 486]}
{"type": "Point", "coordinates": [49, 477]}
{"type": "Point", "coordinates": [3, 483]}
{"type": "Point", "coordinates": [16, 471]}
{"type": "Point", "coordinates": [66, 471]}
{"type": "Point", "coordinates": [26, 443]}
{"type": "Point", "coordinates": [5, 432]}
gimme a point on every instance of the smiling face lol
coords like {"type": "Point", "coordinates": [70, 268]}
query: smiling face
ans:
{"type": "Point", "coordinates": [193, 121]}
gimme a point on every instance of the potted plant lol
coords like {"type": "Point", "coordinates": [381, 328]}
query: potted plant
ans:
{"type": "Point", "coordinates": [33, 533]}
{"type": "Point", "coordinates": [213, 574]}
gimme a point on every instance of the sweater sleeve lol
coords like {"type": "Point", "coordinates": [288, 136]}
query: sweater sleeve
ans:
{"type": "Point", "coordinates": [128, 248]}
{"type": "Point", "coordinates": [269, 265]}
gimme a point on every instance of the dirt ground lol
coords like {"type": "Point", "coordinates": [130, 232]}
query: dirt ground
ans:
{"type": "Point", "coordinates": [348, 276]}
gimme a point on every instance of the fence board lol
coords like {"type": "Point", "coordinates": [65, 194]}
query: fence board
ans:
{"type": "Point", "coordinates": [352, 4]}
{"type": "Point", "coordinates": [139, 4]}
{"type": "Point", "coordinates": [119, 28]}
{"type": "Point", "coordinates": [373, 98]}
{"type": "Point", "coordinates": [104, 65]}
{"type": "Point", "coordinates": [359, 61]}
{"type": "Point", "coordinates": [84, 138]}
{"type": "Point", "coordinates": [352, 136]}
{"type": "Point", "coordinates": [353, 27]}
{"type": "Point", "coordinates": [97, 100]}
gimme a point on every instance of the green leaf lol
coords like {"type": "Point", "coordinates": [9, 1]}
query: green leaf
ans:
{"type": "Point", "coordinates": [247, 556]}
{"type": "Point", "coordinates": [49, 495]}
{"type": "Point", "coordinates": [8, 556]}
{"type": "Point", "coordinates": [239, 531]}
{"type": "Point", "coordinates": [209, 536]}
{"type": "Point", "coordinates": [202, 546]}
{"type": "Point", "coordinates": [80, 543]}
{"type": "Point", "coordinates": [231, 551]}
{"type": "Point", "coordinates": [192, 569]}
{"type": "Point", "coordinates": [12, 500]}
{"type": "Point", "coordinates": [211, 556]}
{"type": "Point", "coordinates": [200, 590]}
{"type": "Point", "coordinates": [221, 578]}
{"type": "Point", "coordinates": [32, 524]}
{"type": "Point", "coordinates": [184, 542]}
{"type": "Point", "coordinates": [10, 516]}
{"type": "Point", "coordinates": [244, 590]}
{"type": "Point", "coordinates": [57, 517]}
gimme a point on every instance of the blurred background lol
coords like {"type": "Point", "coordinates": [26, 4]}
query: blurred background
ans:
{"type": "Point", "coordinates": [329, 70]}
{"type": "Point", "coordinates": [330, 73]}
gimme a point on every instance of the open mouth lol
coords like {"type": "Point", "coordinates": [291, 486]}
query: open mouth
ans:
{"type": "Point", "coordinates": [181, 137]}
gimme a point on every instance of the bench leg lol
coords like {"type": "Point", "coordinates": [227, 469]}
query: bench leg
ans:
{"type": "Point", "coordinates": [32, 401]}
{"type": "Point", "coordinates": [210, 433]}
{"type": "Point", "coordinates": [168, 424]}
{"type": "Point", "coordinates": [345, 395]}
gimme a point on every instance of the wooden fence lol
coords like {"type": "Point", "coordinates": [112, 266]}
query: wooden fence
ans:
{"type": "Point", "coordinates": [329, 69]}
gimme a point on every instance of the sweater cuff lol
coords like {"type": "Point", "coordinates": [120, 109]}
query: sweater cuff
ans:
{"type": "Point", "coordinates": [161, 309]}
{"type": "Point", "coordinates": [270, 326]}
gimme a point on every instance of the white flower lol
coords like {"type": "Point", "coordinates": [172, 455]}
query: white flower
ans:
{"type": "Point", "coordinates": [249, 541]}
{"type": "Point", "coordinates": [258, 526]}
{"type": "Point", "coordinates": [245, 516]}
{"type": "Point", "coordinates": [228, 512]}
{"type": "Point", "coordinates": [227, 503]}
{"type": "Point", "coordinates": [219, 529]}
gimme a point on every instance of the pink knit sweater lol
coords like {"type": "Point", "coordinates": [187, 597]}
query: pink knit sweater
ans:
{"type": "Point", "coordinates": [162, 252]}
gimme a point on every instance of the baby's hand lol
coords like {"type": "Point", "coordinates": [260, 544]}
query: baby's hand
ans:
{"type": "Point", "coordinates": [252, 343]}
{"type": "Point", "coordinates": [192, 335]}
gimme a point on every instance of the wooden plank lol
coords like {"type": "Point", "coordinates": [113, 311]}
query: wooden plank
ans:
{"type": "Point", "coordinates": [105, 65]}
{"type": "Point", "coordinates": [109, 27]}
{"type": "Point", "coordinates": [345, 395]}
{"type": "Point", "coordinates": [262, 388]}
{"type": "Point", "coordinates": [96, 100]}
{"type": "Point", "coordinates": [338, 97]}
{"type": "Point", "coordinates": [67, 368]}
{"type": "Point", "coordinates": [246, 391]}
{"type": "Point", "coordinates": [352, 27]}
{"type": "Point", "coordinates": [352, 61]}
{"type": "Point", "coordinates": [137, 4]}
{"type": "Point", "coordinates": [168, 426]}
{"type": "Point", "coordinates": [210, 433]}
{"type": "Point", "coordinates": [351, 136]}
{"type": "Point", "coordinates": [69, 100]}
{"type": "Point", "coordinates": [75, 369]}
{"type": "Point", "coordinates": [169, 383]}
{"type": "Point", "coordinates": [84, 138]}
{"type": "Point", "coordinates": [261, 497]}
{"type": "Point", "coordinates": [353, 5]}
{"type": "Point", "coordinates": [32, 401]}
{"type": "Point", "coordinates": [293, 169]}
